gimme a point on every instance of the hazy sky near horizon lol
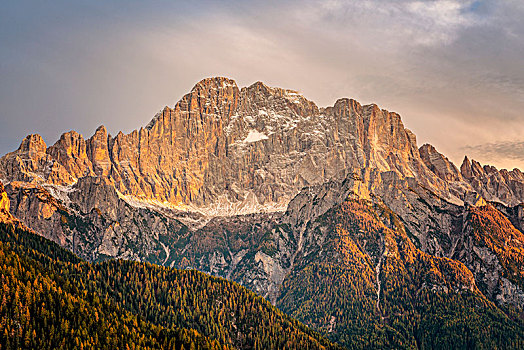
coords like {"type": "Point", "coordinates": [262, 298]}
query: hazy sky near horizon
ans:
{"type": "Point", "coordinates": [453, 69]}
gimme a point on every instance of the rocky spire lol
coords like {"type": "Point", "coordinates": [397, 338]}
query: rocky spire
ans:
{"type": "Point", "coordinates": [71, 152]}
{"type": "Point", "coordinates": [439, 164]}
{"type": "Point", "coordinates": [465, 168]}
{"type": "Point", "coordinates": [98, 152]}
{"type": "Point", "coordinates": [32, 144]}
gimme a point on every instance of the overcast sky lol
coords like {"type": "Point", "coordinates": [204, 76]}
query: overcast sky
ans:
{"type": "Point", "coordinates": [453, 69]}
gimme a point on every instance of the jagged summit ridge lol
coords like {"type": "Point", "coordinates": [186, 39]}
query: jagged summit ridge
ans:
{"type": "Point", "coordinates": [225, 147]}
{"type": "Point", "coordinates": [226, 150]}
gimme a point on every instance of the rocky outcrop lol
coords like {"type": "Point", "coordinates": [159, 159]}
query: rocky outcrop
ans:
{"type": "Point", "coordinates": [95, 226]}
{"type": "Point", "coordinates": [71, 152]}
{"type": "Point", "coordinates": [5, 214]}
{"type": "Point", "coordinates": [502, 186]}
{"type": "Point", "coordinates": [439, 164]}
{"type": "Point", "coordinates": [31, 163]}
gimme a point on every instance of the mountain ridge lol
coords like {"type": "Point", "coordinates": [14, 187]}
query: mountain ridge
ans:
{"type": "Point", "coordinates": [218, 120]}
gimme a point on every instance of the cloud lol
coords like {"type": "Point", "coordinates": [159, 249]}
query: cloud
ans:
{"type": "Point", "coordinates": [439, 21]}
{"type": "Point", "coordinates": [509, 152]}
{"type": "Point", "coordinates": [400, 22]}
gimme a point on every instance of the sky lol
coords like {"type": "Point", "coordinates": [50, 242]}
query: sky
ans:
{"type": "Point", "coordinates": [454, 70]}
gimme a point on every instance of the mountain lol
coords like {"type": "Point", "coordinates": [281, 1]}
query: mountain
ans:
{"type": "Point", "coordinates": [335, 215]}
{"type": "Point", "coordinates": [222, 150]}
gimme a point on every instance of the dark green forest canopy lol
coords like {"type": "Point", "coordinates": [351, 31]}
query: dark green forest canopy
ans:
{"type": "Point", "coordinates": [52, 299]}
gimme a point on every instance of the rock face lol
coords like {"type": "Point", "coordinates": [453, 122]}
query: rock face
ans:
{"type": "Point", "coordinates": [225, 150]}
{"type": "Point", "coordinates": [501, 186]}
{"type": "Point", "coordinates": [439, 164]}
{"type": "Point", "coordinates": [236, 182]}
{"type": "Point", "coordinates": [5, 215]}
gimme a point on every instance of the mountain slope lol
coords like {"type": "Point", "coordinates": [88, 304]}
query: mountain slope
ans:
{"type": "Point", "coordinates": [51, 298]}
{"type": "Point", "coordinates": [41, 308]}
{"type": "Point", "coordinates": [493, 249]}
{"type": "Point", "coordinates": [368, 286]}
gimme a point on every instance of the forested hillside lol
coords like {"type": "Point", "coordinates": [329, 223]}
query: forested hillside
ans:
{"type": "Point", "coordinates": [51, 299]}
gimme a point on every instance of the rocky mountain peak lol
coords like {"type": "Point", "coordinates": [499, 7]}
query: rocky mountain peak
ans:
{"type": "Point", "coordinates": [33, 144]}
{"type": "Point", "coordinates": [259, 88]}
{"type": "Point", "coordinates": [71, 152]}
{"type": "Point", "coordinates": [439, 164]}
{"type": "Point", "coordinates": [495, 185]}
{"type": "Point", "coordinates": [98, 153]}
{"type": "Point", "coordinates": [477, 169]}
{"type": "Point", "coordinates": [473, 169]}
{"type": "Point", "coordinates": [348, 103]}
{"type": "Point", "coordinates": [465, 168]}
{"type": "Point", "coordinates": [101, 130]}
{"type": "Point", "coordinates": [215, 97]}
{"type": "Point", "coordinates": [209, 91]}
{"type": "Point", "coordinates": [428, 149]}
{"type": "Point", "coordinates": [214, 83]}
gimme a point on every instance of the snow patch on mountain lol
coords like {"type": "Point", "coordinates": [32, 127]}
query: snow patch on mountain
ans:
{"type": "Point", "coordinates": [255, 136]}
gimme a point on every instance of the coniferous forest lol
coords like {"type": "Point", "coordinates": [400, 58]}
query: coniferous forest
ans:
{"type": "Point", "coordinates": [52, 299]}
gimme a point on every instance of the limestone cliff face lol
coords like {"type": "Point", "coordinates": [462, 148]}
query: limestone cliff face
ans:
{"type": "Point", "coordinates": [5, 211]}
{"type": "Point", "coordinates": [502, 186]}
{"type": "Point", "coordinates": [439, 164]}
{"type": "Point", "coordinates": [70, 151]}
{"type": "Point", "coordinates": [222, 150]}
{"type": "Point", "coordinates": [227, 150]}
